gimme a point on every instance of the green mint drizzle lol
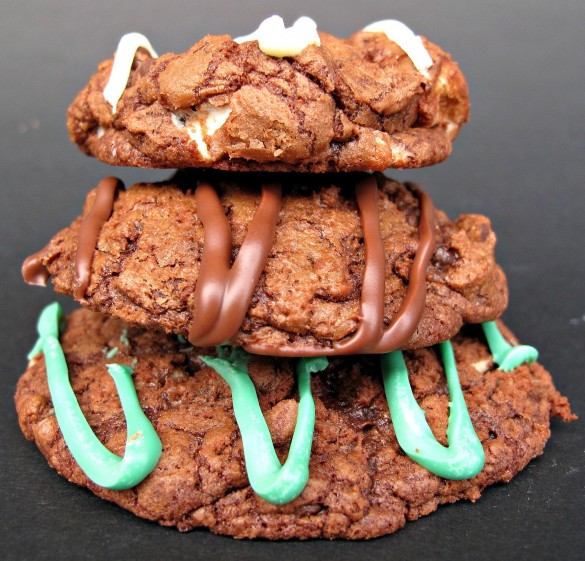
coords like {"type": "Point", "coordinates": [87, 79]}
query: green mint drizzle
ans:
{"type": "Point", "coordinates": [275, 483]}
{"type": "Point", "coordinates": [143, 446]}
{"type": "Point", "coordinates": [506, 356]}
{"type": "Point", "coordinates": [463, 458]}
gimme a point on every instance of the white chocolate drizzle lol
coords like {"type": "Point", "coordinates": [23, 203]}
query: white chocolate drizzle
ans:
{"type": "Point", "coordinates": [276, 40]}
{"type": "Point", "coordinates": [123, 60]}
{"type": "Point", "coordinates": [403, 36]}
{"type": "Point", "coordinates": [206, 119]}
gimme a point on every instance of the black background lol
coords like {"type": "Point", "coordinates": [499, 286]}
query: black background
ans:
{"type": "Point", "coordinates": [520, 161]}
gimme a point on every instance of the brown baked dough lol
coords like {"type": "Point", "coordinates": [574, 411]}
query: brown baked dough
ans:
{"type": "Point", "coordinates": [361, 484]}
{"type": "Point", "coordinates": [357, 104]}
{"type": "Point", "coordinates": [148, 255]}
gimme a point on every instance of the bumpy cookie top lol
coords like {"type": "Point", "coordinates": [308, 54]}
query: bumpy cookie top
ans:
{"type": "Point", "coordinates": [276, 100]}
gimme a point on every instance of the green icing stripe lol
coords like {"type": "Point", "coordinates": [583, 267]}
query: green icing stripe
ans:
{"type": "Point", "coordinates": [275, 483]}
{"type": "Point", "coordinates": [463, 458]}
{"type": "Point", "coordinates": [506, 356]}
{"type": "Point", "coordinates": [143, 446]}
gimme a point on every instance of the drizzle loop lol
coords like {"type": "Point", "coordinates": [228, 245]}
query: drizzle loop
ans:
{"type": "Point", "coordinates": [143, 446]}
{"type": "Point", "coordinates": [122, 66]}
{"type": "Point", "coordinates": [36, 273]}
{"type": "Point", "coordinates": [403, 36]}
{"type": "Point", "coordinates": [222, 295]}
{"type": "Point", "coordinates": [89, 231]}
{"type": "Point", "coordinates": [370, 337]}
{"type": "Point", "coordinates": [506, 356]}
{"type": "Point", "coordinates": [275, 483]}
{"type": "Point", "coordinates": [278, 41]}
{"type": "Point", "coordinates": [33, 270]}
{"type": "Point", "coordinates": [463, 458]}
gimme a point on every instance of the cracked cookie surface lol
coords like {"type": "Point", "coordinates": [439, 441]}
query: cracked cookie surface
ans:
{"type": "Point", "coordinates": [361, 484]}
{"type": "Point", "coordinates": [349, 105]}
{"type": "Point", "coordinates": [148, 256]}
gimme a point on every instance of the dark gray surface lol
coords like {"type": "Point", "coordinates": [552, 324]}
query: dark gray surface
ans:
{"type": "Point", "coordinates": [519, 161]}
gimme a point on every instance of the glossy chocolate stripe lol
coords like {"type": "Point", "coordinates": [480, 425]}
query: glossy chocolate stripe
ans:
{"type": "Point", "coordinates": [247, 268]}
{"type": "Point", "coordinates": [372, 304]}
{"type": "Point", "coordinates": [406, 320]}
{"type": "Point", "coordinates": [89, 231]}
{"type": "Point", "coordinates": [216, 319]}
{"type": "Point", "coordinates": [215, 262]}
{"type": "Point", "coordinates": [33, 270]}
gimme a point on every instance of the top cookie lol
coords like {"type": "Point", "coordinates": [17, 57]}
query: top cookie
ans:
{"type": "Point", "coordinates": [342, 105]}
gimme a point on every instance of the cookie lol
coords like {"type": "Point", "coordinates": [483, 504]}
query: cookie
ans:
{"type": "Point", "coordinates": [360, 104]}
{"type": "Point", "coordinates": [297, 265]}
{"type": "Point", "coordinates": [361, 484]}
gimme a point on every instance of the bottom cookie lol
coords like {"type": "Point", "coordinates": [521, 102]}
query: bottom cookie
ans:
{"type": "Point", "coordinates": [361, 484]}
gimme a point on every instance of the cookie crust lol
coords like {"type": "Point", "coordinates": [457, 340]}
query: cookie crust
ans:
{"type": "Point", "coordinates": [148, 255]}
{"type": "Point", "coordinates": [361, 485]}
{"type": "Point", "coordinates": [349, 105]}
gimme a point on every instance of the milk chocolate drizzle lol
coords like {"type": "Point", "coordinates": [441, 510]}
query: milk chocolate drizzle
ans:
{"type": "Point", "coordinates": [33, 270]}
{"type": "Point", "coordinates": [370, 336]}
{"type": "Point", "coordinates": [223, 295]}
{"type": "Point", "coordinates": [36, 273]}
{"type": "Point", "coordinates": [89, 231]}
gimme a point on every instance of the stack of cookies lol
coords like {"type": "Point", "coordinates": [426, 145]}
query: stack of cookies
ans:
{"type": "Point", "coordinates": [279, 341]}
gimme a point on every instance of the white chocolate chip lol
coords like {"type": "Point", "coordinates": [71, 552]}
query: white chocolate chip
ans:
{"type": "Point", "coordinates": [482, 366]}
{"type": "Point", "coordinates": [196, 133]}
{"type": "Point", "coordinates": [276, 40]}
{"type": "Point", "coordinates": [216, 117]}
{"type": "Point", "coordinates": [443, 82]}
{"type": "Point", "coordinates": [451, 129]}
{"type": "Point", "coordinates": [178, 119]}
{"type": "Point", "coordinates": [100, 132]}
{"type": "Point", "coordinates": [123, 60]}
{"type": "Point", "coordinates": [410, 43]}
{"type": "Point", "coordinates": [205, 120]}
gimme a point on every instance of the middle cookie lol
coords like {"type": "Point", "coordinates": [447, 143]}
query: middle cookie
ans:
{"type": "Point", "coordinates": [285, 265]}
